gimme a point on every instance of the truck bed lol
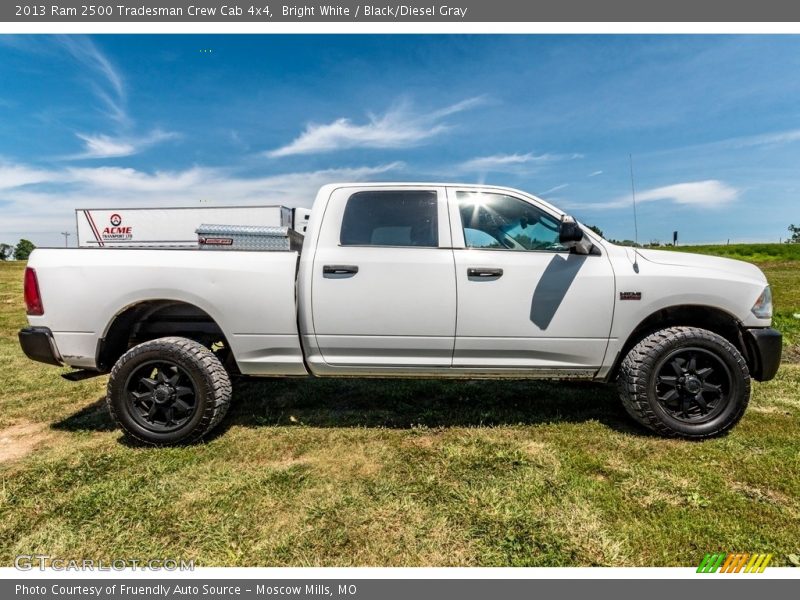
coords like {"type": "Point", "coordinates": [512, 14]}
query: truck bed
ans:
{"type": "Point", "coordinates": [251, 295]}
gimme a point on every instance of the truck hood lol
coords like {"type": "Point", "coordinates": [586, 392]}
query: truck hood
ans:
{"type": "Point", "coordinates": [737, 268]}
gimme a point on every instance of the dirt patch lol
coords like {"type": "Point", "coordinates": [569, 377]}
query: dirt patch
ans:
{"type": "Point", "coordinates": [769, 410]}
{"type": "Point", "coordinates": [542, 455]}
{"type": "Point", "coordinates": [760, 494]}
{"type": "Point", "coordinates": [791, 354]}
{"type": "Point", "coordinates": [20, 440]}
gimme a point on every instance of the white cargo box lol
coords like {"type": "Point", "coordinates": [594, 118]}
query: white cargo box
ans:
{"type": "Point", "coordinates": [167, 227]}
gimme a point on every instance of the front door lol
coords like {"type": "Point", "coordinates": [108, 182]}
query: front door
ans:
{"type": "Point", "coordinates": [383, 288]}
{"type": "Point", "coordinates": [524, 301]}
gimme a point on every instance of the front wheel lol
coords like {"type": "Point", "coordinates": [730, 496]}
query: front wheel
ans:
{"type": "Point", "coordinates": [685, 382]}
{"type": "Point", "coordinates": [168, 391]}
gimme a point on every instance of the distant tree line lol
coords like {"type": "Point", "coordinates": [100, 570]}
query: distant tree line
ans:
{"type": "Point", "coordinates": [599, 232]}
{"type": "Point", "coordinates": [794, 238]}
{"type": "Point", "coordinates": [21, 251]}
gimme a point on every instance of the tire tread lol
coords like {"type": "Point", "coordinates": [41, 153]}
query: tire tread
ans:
{"type": "Point", "coordinates": [636, 369]}
{"type": "Point", "coordinates": [219, 390]}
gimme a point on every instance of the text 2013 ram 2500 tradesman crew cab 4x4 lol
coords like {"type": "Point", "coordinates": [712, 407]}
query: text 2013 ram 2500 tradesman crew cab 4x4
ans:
{"type": "Point", "coordinates": [407, 280]}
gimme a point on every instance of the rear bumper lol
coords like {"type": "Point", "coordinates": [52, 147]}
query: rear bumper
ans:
{"type": "Point", "coordinates": [37, 343]}
{"type": "Point", "coordinates": [764, 347]}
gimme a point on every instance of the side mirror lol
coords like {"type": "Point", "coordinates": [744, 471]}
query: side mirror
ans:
{"type": "Point", "coordinates": [571, 236]}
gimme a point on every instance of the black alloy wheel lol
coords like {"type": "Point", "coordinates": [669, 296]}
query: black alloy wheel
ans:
{"type": "Point", "coordinates": [692, 384]}
{"type": "Point", "coordinates": [161, 395]}
{"type": "Point", "coordinates": [685, 382]}
{"type": "Point", "coordinates": [168, 391]}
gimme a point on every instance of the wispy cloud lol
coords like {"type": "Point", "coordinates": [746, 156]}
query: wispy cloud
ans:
{"type": "Point", "coordinates": [106, 82]}
{"type": "Point", "coordinates": [774, 138]}
{"type": "Point", "coordinates": [554, 189]}
{"type": "Point", "coordinates": [705, 194]}
{"type": "Point", "coordinates": [399, 127]}
{"type": "Point", "coordinates": [109, 87]}
{"type": "Point", "coordinates": [765, 139]}
{"type": "Point", "coordinates": [511, 163]}
{"type": "Point", "coordinates": [595, 173]}
{"type": "Point", "coordinates": [104, 146]}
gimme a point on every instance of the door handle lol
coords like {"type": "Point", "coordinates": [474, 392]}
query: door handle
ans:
{"type": "Point", "coordinates": [339, 270]}
{"type": "Point", "coordinates": [484, 273]}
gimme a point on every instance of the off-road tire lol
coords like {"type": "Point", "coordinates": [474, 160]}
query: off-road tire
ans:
{"type": "Point", "coordinates": [637, 382]}
{"type": "Point", "coordinates": [212, 389]}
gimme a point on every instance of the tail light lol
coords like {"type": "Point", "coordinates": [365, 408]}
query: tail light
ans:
{"type": "Point", "coordinates": [33, 299]}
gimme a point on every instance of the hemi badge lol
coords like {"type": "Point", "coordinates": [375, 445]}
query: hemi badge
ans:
{"type": "Point", "coordinates": [630, 295]}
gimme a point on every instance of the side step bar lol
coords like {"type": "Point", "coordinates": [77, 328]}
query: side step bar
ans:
{"type": "Point", "coordinates": [81, 375]}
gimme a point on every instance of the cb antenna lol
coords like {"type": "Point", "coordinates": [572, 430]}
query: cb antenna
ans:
{"type": "Point", "coordinates": [633, 195]}
{"type": "Point", "coordinates": [635, 222]}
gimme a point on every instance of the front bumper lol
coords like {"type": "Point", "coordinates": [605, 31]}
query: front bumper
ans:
{"type": "Point", "coordinates": [764, 347]}
{"type": "Point", "coordinates": [38, 344]}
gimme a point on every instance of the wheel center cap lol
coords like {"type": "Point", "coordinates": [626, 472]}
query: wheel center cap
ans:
{"type": "Point", "coordinates": [162, 394]}
{"type": "Point", "coordinates": [692, 385]}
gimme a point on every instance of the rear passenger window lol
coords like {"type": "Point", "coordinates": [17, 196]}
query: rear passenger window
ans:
{"type": "Point", "coordinates": [391, 218]}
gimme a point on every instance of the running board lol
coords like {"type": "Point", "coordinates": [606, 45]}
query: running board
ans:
{"type": "Point", "coordinates": [81, 375]}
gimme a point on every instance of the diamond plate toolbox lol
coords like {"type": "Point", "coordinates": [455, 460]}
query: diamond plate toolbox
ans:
{"type": "Point", "coordinates": [248, 237]}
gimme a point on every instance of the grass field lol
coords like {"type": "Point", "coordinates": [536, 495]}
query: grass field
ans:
{"type": "Point", "coordinates": [413, 473]}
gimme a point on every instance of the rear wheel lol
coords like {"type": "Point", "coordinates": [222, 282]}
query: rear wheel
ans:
{"type": "Point", "coordinates": [685, 382]}
{"type": "Point", "coordinates": [168, 391]}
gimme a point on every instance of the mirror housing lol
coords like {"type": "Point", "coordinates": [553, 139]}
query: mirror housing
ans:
{"type": "Point", "coordinates": [572, 236]}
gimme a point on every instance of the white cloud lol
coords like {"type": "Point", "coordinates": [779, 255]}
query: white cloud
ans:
{"type": "Point", "coordinates": [595, 173]}
{"type": "Point", "coordinates": [38, 211]}
{"type": "Point", "coordinates": [711, 193]}
{"type": "Point", "coordinates": [105, 146]}
{"type": "Point", "coordinates": [14, 175]}
{"type": "Point", "coordinates": [399, 127]}
{"type": "Point", "coordinates": [506, 163]}
{"type": "Point", "coordinates": [699, 193]}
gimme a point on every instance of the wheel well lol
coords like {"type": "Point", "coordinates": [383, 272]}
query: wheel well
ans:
{"type": "Point", "coordinates": [705, 317]}
{"type": "Point", "coordinates": [155, 319]}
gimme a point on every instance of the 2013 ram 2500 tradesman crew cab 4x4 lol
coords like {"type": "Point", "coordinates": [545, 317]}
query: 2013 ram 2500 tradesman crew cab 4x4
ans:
{"type": "Point", "coordinates": [408, 280]}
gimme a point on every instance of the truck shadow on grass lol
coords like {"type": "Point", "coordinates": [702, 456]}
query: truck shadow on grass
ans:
{"type": "Point", "coordinates": [401, 404]}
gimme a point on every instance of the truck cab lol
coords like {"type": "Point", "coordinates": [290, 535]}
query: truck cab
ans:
{"type": "Point", "coordinates": [460, 279]}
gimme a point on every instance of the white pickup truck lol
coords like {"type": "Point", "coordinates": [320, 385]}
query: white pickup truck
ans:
{"type": "Point", "coordinates": [407, 280]}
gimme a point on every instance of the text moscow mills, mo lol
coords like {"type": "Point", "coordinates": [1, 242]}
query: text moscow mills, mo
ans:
{"type": "Point", "coordinates": [186, 590]}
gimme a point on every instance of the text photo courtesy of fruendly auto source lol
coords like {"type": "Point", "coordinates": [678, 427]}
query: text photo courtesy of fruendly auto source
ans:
{"type": "Point", "coordinates": [418, 300]}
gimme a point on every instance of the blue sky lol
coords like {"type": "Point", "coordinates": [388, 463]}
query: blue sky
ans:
{"type": "Point", "coordinates": [712, 122]}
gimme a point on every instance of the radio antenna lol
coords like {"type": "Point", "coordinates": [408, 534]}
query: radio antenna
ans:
{"type": "Point", "coordinates": [633, 195]}
{"type": "Point", "coordinates": [635, 222]}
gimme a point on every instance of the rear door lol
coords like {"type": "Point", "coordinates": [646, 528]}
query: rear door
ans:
{"type": "Point", "coordinates": [524, 301]}
{"type": "Point", "coordinates": [383, 285]}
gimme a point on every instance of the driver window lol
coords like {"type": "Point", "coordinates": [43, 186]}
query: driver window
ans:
{"type": "Point", "coordinates": [497, 221]}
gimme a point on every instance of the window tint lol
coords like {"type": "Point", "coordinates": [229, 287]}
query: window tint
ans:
{"type": "Point", "coordinates": [507, 223]}
{"type": "Point", "coordinates": [391, 218]}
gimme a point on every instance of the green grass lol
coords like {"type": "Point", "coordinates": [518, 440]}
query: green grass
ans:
{"type": "Point", "coordinates": [369, 472]}
{"type": "Point", "coordinates": [756, 253]}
